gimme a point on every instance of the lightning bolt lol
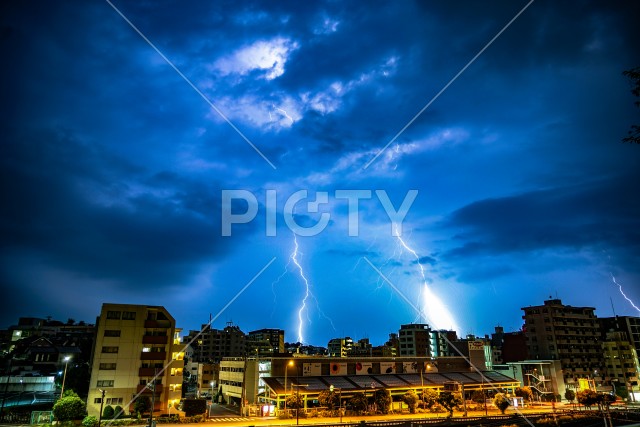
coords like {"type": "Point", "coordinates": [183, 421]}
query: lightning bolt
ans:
{"type": "Point", "coordinates": [432, 307]}
{"type": "Point", "coordinates": [303, 309]}
{"type": "Point", "coordinates": [303, 304]}
{"type": "Point", "coordinates": [622, 292]}
{"type": "Point", "coordinates": [284, 113]}
{"type": "Point", "coordinates": [275, 282]}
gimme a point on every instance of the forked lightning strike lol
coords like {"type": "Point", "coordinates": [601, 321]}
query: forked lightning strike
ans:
{"type": "Point", "coordinates": [622, 292]}
{"type": "Point", "coordinates": [433, 309]}
{"type": "Point", "coordinates": [303, 305]}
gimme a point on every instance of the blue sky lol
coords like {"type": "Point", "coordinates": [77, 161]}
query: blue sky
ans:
{"type": "Point", "coordinates": [113, 166]}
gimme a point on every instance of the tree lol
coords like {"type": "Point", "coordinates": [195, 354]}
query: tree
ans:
{"type": "Point", "coordinates": [501, 402]}
{"type": "Point", "coordinates": [142, 405]}
{"type": "Point", "coordinates": [570, 395]}
{"type": "Point", "coordinates": [382, 399]}
{"type": "Point", "coordinates": [78, 377]}
{"type": "Point", "coordinates": [429, 398]}
{"type": "Point", "coordinates": [622, 392]}
{"type": "Point", "coordinates": [69, 408]}
{"type": "Point", "coordinates": [108, 412]}
{"type": "Point", "coordinates": [90, 421]}
{"type": "Point", "coordinates": [329, 399]}
{"type": "Point", "coordinates": [358, 402]}
{"type": "Point", "coordinates": [411, 399]}
{"type": "Point", "coordinates": [607, 399]}
{"type": "Point", "coordinates": [449, 401]}
{"type": "Point", "coordinates": [524, 392]}
{"type": "Point", "coordinates": [634, 76]}
{"type": "Point", "coordinates": [193, 407]}
{"type": "Point", "coordinates": [587, 397]}
{"type": "Point", "coordinates": [294, 401]}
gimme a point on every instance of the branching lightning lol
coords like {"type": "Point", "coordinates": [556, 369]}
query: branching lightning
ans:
{"type": "Point", "coordinates": [303, 304]}
{"type": "Point", "coordinates": [622, 292]}
{"type": "Point", "coordinates": [432, 308]}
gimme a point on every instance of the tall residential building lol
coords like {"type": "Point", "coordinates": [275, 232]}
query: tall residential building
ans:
{"type": "Point", "coordinates": [134, 344]}
{"type": "Point", "coordinates": [415, 340]}
{"type": "Point", "coordinates": [265, 342]}
{"type": "Point", "coordinates": [212, 345]}
{"type": "Point", "coordinates": [621, 362]}
{"type": "Point", "coordinates": [627, 324]}
{"type": "Point", "coordinates": [441, 343]}
{"type": "Point", "coordinates": [555, 331]}
{"type": "Point", "coordinates": [340, 347]}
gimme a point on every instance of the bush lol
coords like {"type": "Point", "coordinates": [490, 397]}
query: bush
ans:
{"type": "Point", "coordinates": [193, 407]}
{"type": "Point", "coordinates": [108, 412]}
{"type": "Point", "coordinates": [69, 408]}
{"type": "Point", "coordinates": [90, 421]}
{"type": "Point", "coordinates": [118, 412]}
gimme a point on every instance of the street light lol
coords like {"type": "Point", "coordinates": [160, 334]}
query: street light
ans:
{"type": "Point", "coordinates": [331, 388]}
{"type": "Point", "coordinates": [286, 368]}
{"type": "Point", "coordinates": [64, 376]}
{"type": "Point", "coordinates": [101, 403]}
{"type": "Point", "coordinates": [298, 400]}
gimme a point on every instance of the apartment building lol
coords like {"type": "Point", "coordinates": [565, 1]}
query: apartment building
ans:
{"type": "Point", "coordinates": [134, 344]}
{"type": "Point", "coordinates": [415, 340]}
{"type": "Point", "coordinates": [555, 331]}
{"type": "Point", "coordinates": [621, 363]}
{"type": "Point", "coordinates": [265, 342]}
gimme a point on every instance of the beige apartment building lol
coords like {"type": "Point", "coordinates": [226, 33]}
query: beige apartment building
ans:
{"type": "Point", "coordinates": [133, 344]}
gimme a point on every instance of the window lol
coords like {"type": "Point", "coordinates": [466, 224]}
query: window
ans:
{"type": "Point", "coordinates": [113, 315]}
{"type": "Point", "coordinates": [109, 349]}
{"type": "Point", "coordinates": [105, 383]}
{"type": "Point", "coordinates": [114, 400]}
{"type": "Point", "coordinates": [111, 333]}
{"type": "Point", "coordinates": [128, 315]}
{"type": "Point", "coordinates": [97, 400]}
{"type": "Point", "coordinates": [107, 367]}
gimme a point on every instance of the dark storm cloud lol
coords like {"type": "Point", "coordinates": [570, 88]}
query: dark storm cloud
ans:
{"type": "Point", "coordinates": [576, 216]}
{"type": "Point", "coordinates": [84, 210]}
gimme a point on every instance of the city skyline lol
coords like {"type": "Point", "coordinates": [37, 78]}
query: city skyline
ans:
{"type": "Point", "coordinates": [126, 123]}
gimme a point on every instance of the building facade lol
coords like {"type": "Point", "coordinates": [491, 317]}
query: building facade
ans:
{"type": "Point", "coordinates": [135, 344]}
{"type": "Point", "coordinates": [415, 340]}
{"type": "Point", "coordinates": [555, 331]}
{"type": "Point", "coordinates": [265, 342]}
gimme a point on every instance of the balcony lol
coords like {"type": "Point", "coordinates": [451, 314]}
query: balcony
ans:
{"type": "Point", "coordinates": [155, 339]}
{"type": "Point", "coordinates": [148, 391]}
{"type": "Point", "coordinates": [153, 355]}
{"type": "Point", "coordinates": [148, 372]}
{"type": "Point", "coordinates": [157, 324]}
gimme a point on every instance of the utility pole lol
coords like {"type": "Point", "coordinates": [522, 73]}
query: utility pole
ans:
{"type": "Point", "coordinates": [101, 403]}
{"type": "Point", "coordinates": [464, 400]}
{"type": "Point", "coordinates": [153, 397]}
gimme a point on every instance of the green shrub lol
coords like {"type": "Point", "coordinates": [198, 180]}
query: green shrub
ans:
{"type": "Point", "coordinates": [108, 412]}
{"type": "Point", "coordinates": [90, 421]}
{"type": "Point", "coordinates": [69, 408]}
{"type": "Point", "coordinates": [118, 412]}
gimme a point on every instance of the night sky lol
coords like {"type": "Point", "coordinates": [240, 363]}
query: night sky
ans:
{"type": "Point", "coordinates": [113, 166]}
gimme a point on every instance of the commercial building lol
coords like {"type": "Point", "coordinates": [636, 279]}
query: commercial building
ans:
{"type": "Point", "coordinates": [555, 331]}
{"type": "Point", "coordinates": [543, 376]}
{"type": "Point", "coordinates": [135, 344]}
{"type": "Point", "coordinates": [309, 376]}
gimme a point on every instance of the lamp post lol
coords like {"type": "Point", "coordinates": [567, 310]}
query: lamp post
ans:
{"type": "Point", "coordinates": [286, 368]}
{"type": "Point", "coordinates": [298, 400]}
{"type": "Point", "coordinates": [64, 376]}
{"type": "Point", "coordinates": [331, 388]}
{"type": "Point", "coordinates": [103, 392]}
